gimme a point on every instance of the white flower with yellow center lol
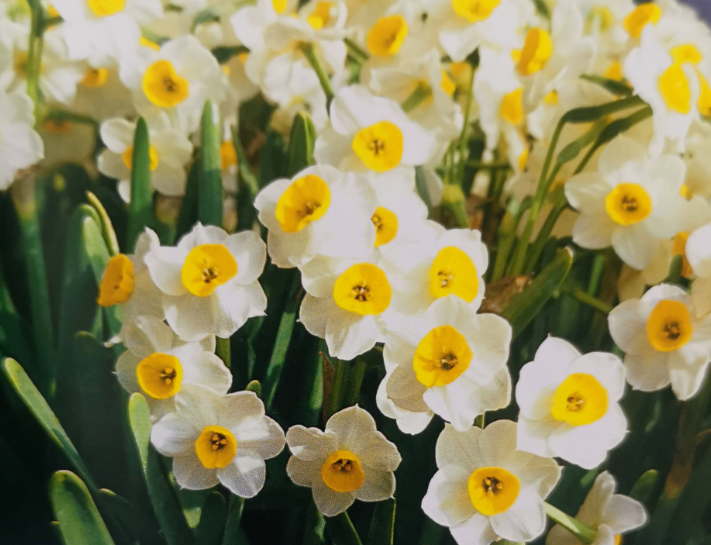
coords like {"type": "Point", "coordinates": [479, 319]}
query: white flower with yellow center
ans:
{"type": "Point", "coordinates": [632, 202]}
{"type": "Point", "coordinates": [102, 95]}
{"type": "Point", "coordinates": [127, 282]}
{"type": "Point", "coordinates": [251, 21]}
{"type": "Point", "coordinates": [570, 404]}
{"type": "Point", "coordinates": [468, 24]}
{"type": "Point", "coordinates": [427, 270]}
{"type": "Point", "coordinates": [20, 145]}
{"type": "Point", "coordinates": [371, 134]}
{"type": "Point", "coordinates": [663, 340]}
{"type": "Point", "coordinates": [698, 254]}
{"type": "Point", "coordinates": [485, 490]}
{"type": "Point", "coordinates": [320, 211]}
{"type": "Point", "coordinates": [451, 361]}
{"type": "Point", "coordinates": [351, 460]}
{"type": "Point", "coordinates": [609, 514]}
{"type": "Point", "coordinates": [604, 21]}
{"type": "Point", "coordinates": [159, 365]}
{"type": "Point", "coordinates": [218, 439]}
{"type": "Point", "coordinates": [671, 88]}
{"type": "Point", "coordinates": [105, 31]}
{"type": "Point", "coordinates": [176, 79]}
{"type": "Point", "coordinates": [169, 153]}
{"type": "Point", "coordinates": [210, 281]}
{"type": "Point", "coordinates": [67, 142]}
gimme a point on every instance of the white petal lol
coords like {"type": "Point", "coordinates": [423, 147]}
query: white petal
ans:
{"type": "Point", "coordinates": [698, 251]}
{"type": "Point", "coordinates": [191, 474]}
{"type": "Point", "coordinates": [250, 252]}
{"type": "Point", "coordinates": [245, 475]}
{"type": "Point", "coordinates": [648, 372]}
{"type": "Point", "coordinates": [623, 514]}
{"type": "Point", "coordinates": [265, 439]}
{"type": "Point", "coordinates": [329, 502]}
{"type": "Point", "coordinates": [586, 193]}
{"type": "Point", "coordinates": [620, 151]}
{"type": "Point", "coordinates": [174, 435]}
{"type": "Point", "coordinates": [606, 368]}
{"type": "Point", "coordinates": [459, 448]}
{"type": "Point", "coordinates": [349, 334]}
{"type": "Point", "coordinates": [311, 443]}
{"type": "Point", "coordinates": [475, 531]}
{"type": "Point", "coordinates": [628, 328]}
{"type": "Point", "coordinates": [165, 266]}
{"type": "Point", "coordinates": [524, 520]}
{"type": "Point", "coordinates": [447, 499]}
{"type": "Point", "coordinates": [635, 245]}
{"type": "Point", "coordinates": [209, 371]}
{"type": "Point", "coordinates": [377, 486]}
{"type": "Point", "coordinates": [304, 472]}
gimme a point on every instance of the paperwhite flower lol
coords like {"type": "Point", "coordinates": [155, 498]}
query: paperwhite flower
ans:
{"type": "Point", "coordinates": [698, 254]}
{"type": "Point", "coordinates": [570, 404]}
{"type": "Point", "coordinates": [159, 365]}
{"type": "Point", "coordinates": [370, 133]}
{"type": "Point", "coordinates": [609, 514]}
{"type": "Point", "coordinates": [632, 202]}
{"type": "Point", "coordinates": [67, 142]}
{"type": "Point", "coordinates": [320, 211]}
{"type": "Point", "coordinates": [451, 362]}
{"type": "Point", "coordinates": [486, 490]}
{"type": "Point", "coordinates": [351, 460]}
{"type": "Point", "coordinates": [604, 21]}
{"type": "Point", "coordinates": [663, 340]}
{"type": "Point", "coordinates": [20, 145]}
{"type": "Point", "coordinates": [210, 281]}
{"type": "Point", "coordinates": [170, 151]}
{"type": "Point", "coordinates": [251, 21]}
{"type": "Point", "coordinates": [102, 95]}
{"type": "Point", "coordinates": [218, 439]}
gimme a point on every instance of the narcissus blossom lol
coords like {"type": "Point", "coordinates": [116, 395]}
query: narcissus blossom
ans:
{"type": "Point", "coordinates": [351, 460]}
{"type": "Point", "coordinates": [486, 490]}
{"type": "Point", "coordinates": [20, 145]}
{"type": "Point", "coordinates": [698, 254]}
{"type": "Point", "coordinates": [570, 404]}
{"type": "Point", "coordinates": [218, 439]}
{"type": "Point", "coordinates": [210, 281]}
{"type": "Point", "coordinates": [664, 340]}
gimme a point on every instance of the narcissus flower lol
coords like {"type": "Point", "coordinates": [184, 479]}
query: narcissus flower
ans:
{"type": "Point", "coordinates": [451, 362]}
{"type": "Point", "coordinates": [351, 460]}
{"type": "Point", "coordinates": [570, 404]}
{"type": "Point", "coordinates": [609, 514]}
{"type": "Point", "coordinates": [486, 490]}
{"type": "Point", "coordinates": [320, 211]}
{"type": "Point", "coordinates": [371, 134]}
{"type": "Point", "coordinates": [664, 341]}
{"type": "Point", "coordinates": [210, 281]}
{"type": "Point", "coordinates": [632, 202]}
{"type": "Point", "coordinates": [698, 254]}
{"type": "Point", "coordinates": [218, 439]}
{"type": "Point", "coordinates": [159, 365]}
{"type": "Point", "coordinates": [20, 145]}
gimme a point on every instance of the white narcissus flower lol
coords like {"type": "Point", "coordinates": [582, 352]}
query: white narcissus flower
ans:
{"type": "Point", "coordinates": [632, 202]}
{"type": "Point", "coordinates": [371, 134]}
{"type": "Point", "coordinates": [351, 460]}
{"type": "Point", "coordinates": [450, 362]}
{"type": "Point", "coordinates": [20, 145]}
{"type": "Point", "coordinates": [570, 404]}
{"type": "Point", "coordinates": [218, 439]}
{"type": "Point", "coordinates": [609, 514]}
{"type": "Point", "coordinates": [663, 340]}
{"type": "Point", "coordinates": [210, 281]}
{"type": "Point", "coordinates": [169, 153]}
{"type": "Point", "coordinates": [320, 211]}
{"type": "Point", "coordinates": [698, 254]}
{"type": "Point", "coordinates": [159, 365]}
{"type": "Point", "coordinates": [127, 282]}
{"type": "Point", "coordinates": [485, 490]}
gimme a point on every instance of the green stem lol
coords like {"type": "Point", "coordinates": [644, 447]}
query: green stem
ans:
{"type": "Point", "coordinates": [357, 51]}
{"type": "Point", "coordinates": [223, 351]}
{"type": "Point", "coordinates": [356, 372]}
{"type": "Point", "coordinates": [463, 155]}
{"type": "Point", "coordinates": [675, 268]}
{"type": "Point", "coordinates": [589, 300]}
{"type": "Point", "coordinates": [233, 530]}
{"type": "Point", "coordinates": [342, 531]}
{"type": "Point", "coordinates": [310, 54]}
{"type": "Point", "coordinates": [57, 114]}
{"type": "Point", "coordinates": [339, 383]}
{"type": "Point", "coordinates": [34, 52]}
{"type": "Point", "coordinates": [507, 234]}
{"type": "Point", "coordinates": [418, 96]}
{"type": "Point", "coordinates": [480, 421]}
{"type": "Point", "coordinates": [558, 206]}
{"type": "Point", "coordinates": [459, 212]}
{"type": "Point", "coordinates": [581, 531]}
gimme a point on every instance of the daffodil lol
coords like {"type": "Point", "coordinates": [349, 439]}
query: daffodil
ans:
{"type": "Point", "coordinates": [570, 404]}
{"type": "Point", "coordinates": [485, 490]}
{"type": "Point", "coordinates": [632, 202]}
{"type": "Point", "coordinates": [218, 439]}
{"type": "Point", "coordinates": [159, 365]}
{"type": "Point", "coordinates": [698, 254]}
{"type": "Point", "coordinates": [604, 20]}
{"type": "Point", "coordinates": [102, 95]}
{"type": "Point", "coordinates": [351, 460]}
{"type": "Point", "coordinates": [209, 281]}
{"type": "Point", "coordinates": [451, 362]}
{"type": "Point", "coordinates": [664, 341]}
{"type": "Point", "coordinates": [20, 145]}
{"type": "Point", "coordinates": [320, 211]}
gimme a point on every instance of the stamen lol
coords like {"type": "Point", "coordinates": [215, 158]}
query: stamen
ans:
{"type": "Point", "coordinates": [209, 274]}
{"type": "Point", "coordinates": [445, 277]}
{"type": "Point", "coordinates": [168, 375]}
{"type": "Point", "coordinates": [342, 464]}
{"type": "Point", "coordinates": [218, 441]}
{"type": "Point", "coordinates": [376, 146]}
{"type": "Point", "coordinates": [629, 204]}
{"type": "Point", "coordinates": [672, 330]}
{"type": "Point", "coordinates": [309, 208]}
{"type": "Point", "coordinates": [361, 293]}
{"type": "Point", "coordinates": [575, 402]}
{"type": "Point", "coordinates": [448, 361]}
{"type": "Point", "coordinates": [492, 486]}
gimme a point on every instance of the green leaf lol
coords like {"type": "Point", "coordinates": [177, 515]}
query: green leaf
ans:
{"type": "Point", "coordinates": [210, 186]}
{"type": "Point", "coordinates": [107, 229]}
{"type": "Point", "coordinates": [301, 144]}
{"type": "Point", "coordinates": [189, 207]}
{"type": "Point", "coordinates": [526, 306]}
{"type": "Point", "coordinates": [212, 520]}
{"type": "Point", "coordinates": [582, 532]}
{"type": "Point", "coordinates": [78, 517]}
{"type": "Point", "coordinates": [421, 184]}
{"type": "Point", "coordinates": [382, 527]}
{"type": "Point", "coordinates": [312, 393]}
{"type": "Point", "coordinates": [273, 158]}
{"type": "Point", "coordinates": [342, 531]}
{"type": "Point", "coordinates": [163, 496]}
{"type": "Point", "coordinates": [233, 530]}
{"type": "Point", "coordinates": [140, 210]}
{"type": "Point", "coordinates": [15, 340]}
{"type": "Point", "coordinates": [644, 485]}
{"type": "Point", "coordinates": [33, 400]}
{"type": "Point", "coordinates": [248, 187]}
{"type": "Point", "coordinates": [613, 86]}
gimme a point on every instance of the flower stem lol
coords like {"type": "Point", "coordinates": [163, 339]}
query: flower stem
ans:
{"type": "Point", "coordinates": [342, 531]}
{"type": "Point", "coordinates": [589, 300]}
{"type": "Point", "coordinates": [581, 531]}
{"type": "Point", "coordinates": [310, 54]}
{"type": "Point", "coordinates": [357, 51]}
{"type": "Point", "coordinates": [233, 529]}
{"type": "Point", "coordinates": [418, 96]}
{"type": "Point", "coordinates": [34, 52]}
{"type": "Point", "coordinates": [463, 155]}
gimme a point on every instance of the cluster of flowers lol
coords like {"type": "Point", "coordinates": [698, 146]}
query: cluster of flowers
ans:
{"type": "Point", "coordinates": [374, 268]}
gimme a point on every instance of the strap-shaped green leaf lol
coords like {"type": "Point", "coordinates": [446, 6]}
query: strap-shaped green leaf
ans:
{"type": "Point", "coordinates": [210, 186]}
{"type": "Point", "coordinates": [301, 143]}
{"type": "Point", "coordinates": [382, 527]}
{"type": "Point", "coordinates": [212, 520]}
{"type": "Point", "coordinates": [140, 211]}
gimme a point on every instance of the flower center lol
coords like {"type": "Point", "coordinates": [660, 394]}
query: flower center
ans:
{"type": "Point", "coordinates": [474, 10]}
{"type": "Point", "coordinates": [215, 447]}
{"type": "Point", "coordinates": [675, 89]}
{"type": "Point", "coordinates": [386, 225]}
{"type": "Point", "coordinates": [379, 146]}
{"type": "Point", "coordinates": [537, 50]}
{"type": "Point", "coordinates": [386, 36]}
{"type": "Point", "coordinates": [453, 272]}
{"type": "Point", "coordinates": [163, 86]}
{"type": "Point", "coordinates": [669, 325]}
{"type": "Point", "coordinates": [363, 289]}
{"type": "Point", "coordinates": [628, 204]}
{"type": "Point", "coordinates": [104, 8]}
{"type": "Point", "coordinates": [117, 282]}
{"type": "Point", "coordinates": [512, 107]}
{"type": "Point", "coordinates": [579, 400]}
{"type": "Point", "coordinates": [441, 357]}
{"type": "Point", "coordinates": [307, 199]}
{"type": "Point", "coordinates": [493, 490]}
{"type": "Point", "coordinates": [342, 471]}
{"type": "Point", "coordinates": [153, 158]}
{"type": "Point", "coordinates": [207, 267]}
{"type": "Point", "coordinates": [95, 77]}
{"type": "Point", "coordinates": [321, 15]}
{"type": "Point", "coordinates": [160, 375]}
{"type": "Point", "coordinates": [640, 17]}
